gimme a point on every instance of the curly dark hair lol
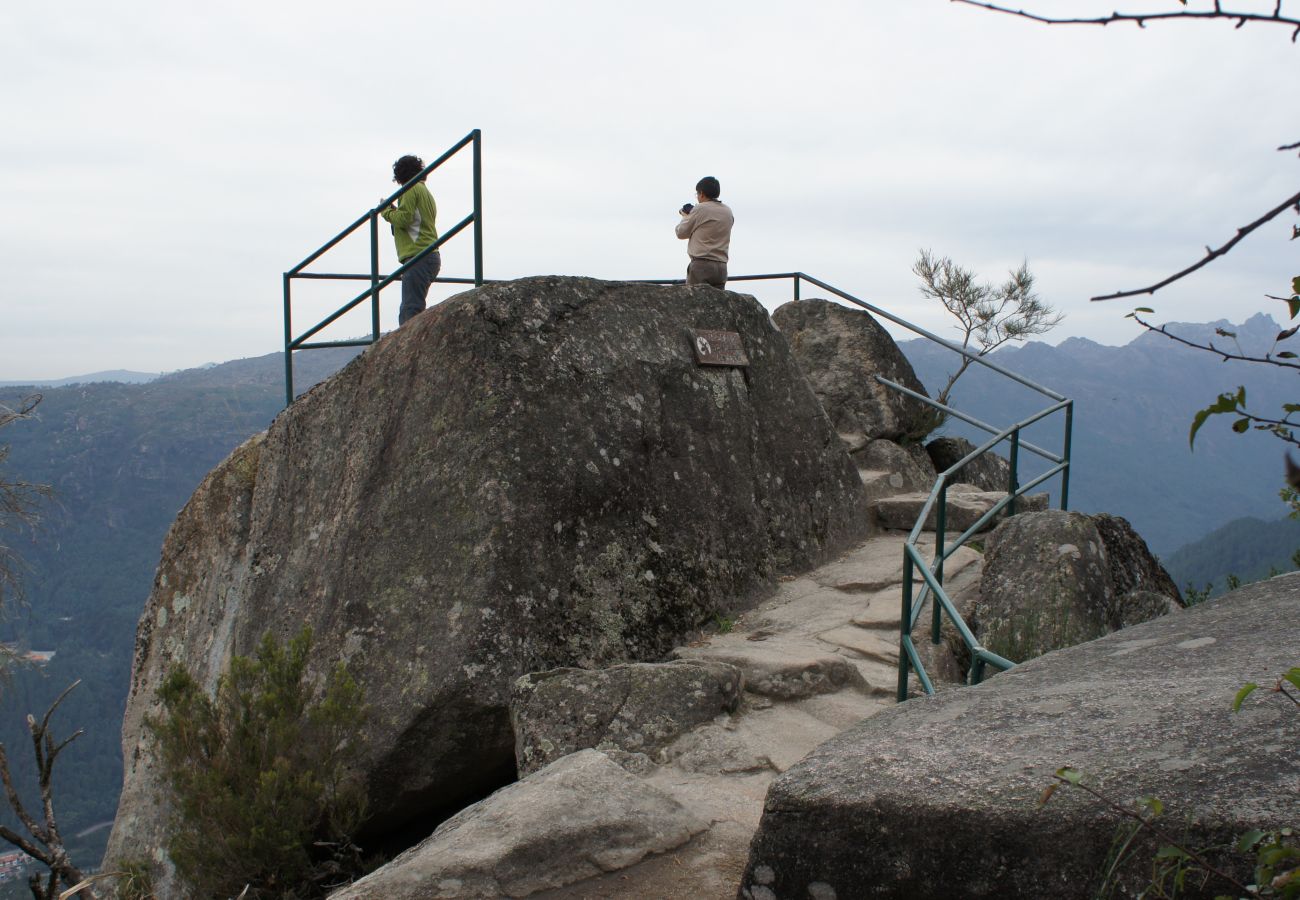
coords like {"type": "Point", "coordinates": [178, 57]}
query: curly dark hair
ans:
{"type": "Point", "coordinates": [407, 168]}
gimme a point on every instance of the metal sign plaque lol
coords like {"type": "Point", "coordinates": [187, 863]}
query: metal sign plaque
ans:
{"type": "Point", "coordinates": [719, 348]}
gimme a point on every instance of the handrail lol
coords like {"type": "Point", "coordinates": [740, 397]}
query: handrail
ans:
{"type": "Point", "coordinates": [379, 282]}
{"type": "Point", "coordinates": [909, 660]}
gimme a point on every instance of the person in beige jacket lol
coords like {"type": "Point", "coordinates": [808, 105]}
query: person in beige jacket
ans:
{"type": "Point", "coordinates": [706, 227]}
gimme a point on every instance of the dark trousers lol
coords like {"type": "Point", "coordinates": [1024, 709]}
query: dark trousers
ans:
{"type": "Point", "coordinates": [707, 271]}
{"type": "Point", "coordinates": [415, 285]}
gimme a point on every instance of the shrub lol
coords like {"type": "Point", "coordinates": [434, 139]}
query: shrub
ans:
{"type": "Point", "coordinates": [260, 776]}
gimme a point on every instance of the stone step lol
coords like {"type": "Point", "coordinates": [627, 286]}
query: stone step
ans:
{"type": "Point", "coordinates": [966, 503]}
{"type": "Point", "coordinates": [872, 643]}
{"type": "Point", "coordinates": [783, 672]}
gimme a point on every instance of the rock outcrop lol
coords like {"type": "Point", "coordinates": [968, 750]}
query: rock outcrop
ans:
{"type": "Point", "coordinates": [1054, 579]}
{"type": "Point", "coordinates": [629, 712]}
{"type": "Point", "coordinates": [578, 817]}
{"type": "Point", "coordinates": [840, 350]}
{"type": "Point", "coordinates": [938, 799]}
{"type": "Point", "coordinates": [532, 474]}
{"type": "Point", "coordinates": [990, 472]}
{"type": "Point", "coordinates": [965, 505]}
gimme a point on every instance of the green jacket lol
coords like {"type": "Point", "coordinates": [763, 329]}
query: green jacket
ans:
{"type": "Point", "coordinates": [414, 221]}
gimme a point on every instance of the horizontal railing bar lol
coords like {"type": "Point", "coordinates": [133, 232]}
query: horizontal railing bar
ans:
{"type": "Point", "coordinates": [341, 276]}
{"type": "Point", "coordinates": [992, 658]}
{"type": "Point", "coordinates": [973, 357]}
{"type": "Point", "coordinates": [321, 345]}
{"type": "Point", "coordinates": [971, 420]}
{"type": "Point", "coordinates": [369, 292]}
{"type": "Point", "coordinates": [365, 217]}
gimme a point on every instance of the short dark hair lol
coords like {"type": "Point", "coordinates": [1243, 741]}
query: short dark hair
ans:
{"type": "Point", "coordinates": [407, 168]}
{"type": "Point", "coordinates": [709, 187]}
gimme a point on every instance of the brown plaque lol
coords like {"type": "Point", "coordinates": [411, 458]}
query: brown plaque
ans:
{"type": "Point", "coordinates": [718, 348]}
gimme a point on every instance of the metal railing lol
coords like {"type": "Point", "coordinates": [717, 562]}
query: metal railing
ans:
{"type": "Point", "coordinates": [932, 572]}
{"type": "Point", "coordinates": [377, 281]}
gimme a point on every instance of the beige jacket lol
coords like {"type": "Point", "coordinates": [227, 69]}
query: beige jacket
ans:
{"type": "Point", "coordinates": [708, 226]}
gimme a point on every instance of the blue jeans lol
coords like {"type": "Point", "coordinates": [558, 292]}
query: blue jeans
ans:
{"type": "Point", "coordinates": [415, 285]}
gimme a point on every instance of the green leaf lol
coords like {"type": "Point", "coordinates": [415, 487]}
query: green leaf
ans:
{"type": "Point", "coordinates": [1073, 776]}
{"type": "Point", "coordinates": [1246, 691]}
{"type": "Point", "coordinates": [1294, 302]}
{"type": "Point", "coordinates": [1226, 403]}
{"type": "Point", "coordinates": [1293, 676]}
{"type": "Point", "coordinates": [1144, 309]}
{"type": "Point", "coordinates": [1154, 804]}
{"type": "Point", "coordinates": [1169, 851]}
{"type": "Point", "coordinates": [1241, 426]}
{"type": "Point", "coordinates": [1295, 285]}
{"type": "Point", "coordinates": [1286, 354]}
{"type": "Point", "coordinates": [1248, 840]}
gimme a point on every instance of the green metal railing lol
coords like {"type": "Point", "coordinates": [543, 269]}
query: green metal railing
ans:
{"type": "Point", "coordinates": [913, 605]}
{"type": "Point", "coordinates": [378, 282]}
{"type": "Point", "coordinates": [913, 560]}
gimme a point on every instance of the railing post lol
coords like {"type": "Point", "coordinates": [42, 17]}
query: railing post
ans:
{"type": "Point", "coordinates": [1014, 483]}
{"type": "Point", "coordinates": [940, 526]}
{"type": "Point", "coordinates": [796, 287]}
{"type": "Point", "coordinates": [905, 627]}
{"type": "Point", "coordinates": [478, 208]}
{"type": "Point", "coordinates": [976, 672]}
{"type": "Point", "coordinates": [374, 273]}
{"type": "Point", "coordinates": [288, 339]}
{"type": "Point", "coordinates": [1065, 473]}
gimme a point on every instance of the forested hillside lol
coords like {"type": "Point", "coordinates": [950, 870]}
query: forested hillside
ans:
{"type": "Point", "coordinates": [123, 459]}
{"type": "Point", "coordinates": [1250, 549]}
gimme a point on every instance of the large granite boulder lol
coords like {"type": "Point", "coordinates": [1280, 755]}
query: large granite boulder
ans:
{"type": "Point", "coordinates": [990, 472]}
{"type": "Point", "coordinates": [1052, 579]}
{"type": "Point", "coordinates": [628, 712]}
{"type": "Point", "coordinates": [938, 798]}
{"type": "Point", "coordinates": [533, 474]}
{"type": "Point", "coordinates": [576, 818]}
{"type": "Point", "coordinates": [840, 350]}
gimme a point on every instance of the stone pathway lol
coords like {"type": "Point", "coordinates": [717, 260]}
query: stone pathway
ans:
{"type": "Point", "coordinates": [818, 657]}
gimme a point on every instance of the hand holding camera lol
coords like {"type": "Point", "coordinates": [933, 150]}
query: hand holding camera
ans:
{"type": "Point", "coordinates": [686, 209]}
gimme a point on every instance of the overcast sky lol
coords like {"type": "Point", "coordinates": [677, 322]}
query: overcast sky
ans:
{"type": "Point", "coordinates": [162, 164]}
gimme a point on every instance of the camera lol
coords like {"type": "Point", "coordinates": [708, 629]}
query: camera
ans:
{"type": "Point", "coordinates": [687, 207]}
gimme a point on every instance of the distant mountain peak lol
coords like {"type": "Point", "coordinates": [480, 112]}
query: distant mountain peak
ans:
{"type": "Point", "coordinates": [1255, 335]}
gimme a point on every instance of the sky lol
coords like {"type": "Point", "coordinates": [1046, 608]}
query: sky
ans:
{"type": "Point", "coordinates": [163, 164]}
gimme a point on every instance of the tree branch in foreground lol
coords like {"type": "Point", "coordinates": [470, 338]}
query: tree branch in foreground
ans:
{"type": "Point", "coordinates": [1292, 202]}
{"type": "Point", "coordinates": [1211, 348]}
{"type": "Point", "coordinates": [1141, 19]}
{"type": "Point", "coordinates": [46, 844]}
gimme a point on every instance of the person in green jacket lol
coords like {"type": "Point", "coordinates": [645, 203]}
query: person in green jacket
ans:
{"type": "Point", "coordinates": [414, 228]}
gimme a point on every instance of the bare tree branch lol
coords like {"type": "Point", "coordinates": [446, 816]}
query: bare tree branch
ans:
{"type": "Point", "coordinates": [1292, 202]}
{"type": "Point", "coordinates": [1210, 348]}
{"type": "Point", "coordinates": [1141, 19]}
{"type": "Point", "coordinates": [47, 846]}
